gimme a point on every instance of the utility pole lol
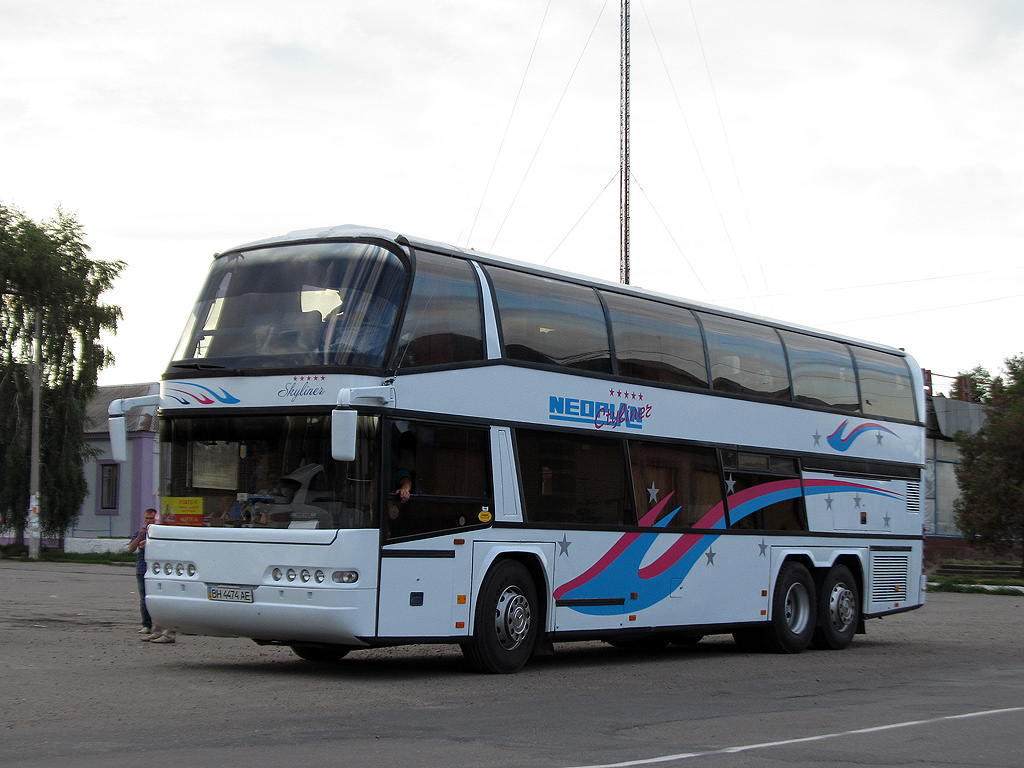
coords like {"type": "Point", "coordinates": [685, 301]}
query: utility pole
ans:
{"type": "Point", "coordinates": [33, 482]}
{"type": "Point", "coordinates": [624, 146]}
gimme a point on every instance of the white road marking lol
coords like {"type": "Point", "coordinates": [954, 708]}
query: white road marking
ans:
{"type": "Point", "coordinates": [802, 740]}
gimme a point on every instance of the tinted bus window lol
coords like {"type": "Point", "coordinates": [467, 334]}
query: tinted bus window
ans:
{"type": "Point", "coordinates": [444, 323]}
{"type": "Point", "coordinates": [886, 388]}
{"type": "Point", "coordinates": [746, 358]}
{"type": "Point", "coordinates": [687, 478]}
{"type": "Point", "coordinates": [573, 479]}
{"type": "Point", "coordinates": [307, 304]}
{"type": "Point", "coordinates": [271, 471]}
{"type": "Point", "coordinates": [446, 470]}
{"type": "Point", "coordinates": [822, 371]}
{"type": "Point", "coordinates": [548, 321]}
{"type": "Point", "coordinates": [763, 492]}
{"type": "Point", "coordinates": [657, 342]}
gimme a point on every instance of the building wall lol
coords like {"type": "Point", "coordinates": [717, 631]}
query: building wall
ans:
{"type": "Point", "coordinates": [137, 488]}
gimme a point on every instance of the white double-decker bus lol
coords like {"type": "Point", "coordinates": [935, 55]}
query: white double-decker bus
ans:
{"type": "Point", "coordinates": [381, 441]}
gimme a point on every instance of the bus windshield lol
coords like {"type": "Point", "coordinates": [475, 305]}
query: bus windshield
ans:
{"type": "Point", "coordinates": [314, 304]}
{"type": "Point", "coordinates": [271, 471]}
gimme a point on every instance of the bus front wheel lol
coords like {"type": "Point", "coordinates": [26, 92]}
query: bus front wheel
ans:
{"type": "Point", "coordinates": [838, 612]}
{"type": "Point", "coordinates": [506, 620]}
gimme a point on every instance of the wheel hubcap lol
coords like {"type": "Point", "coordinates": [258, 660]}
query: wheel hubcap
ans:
{"type": "Point", "coordinates": [798, 608]}
{"type": "Point", "coordinates": [842, 607]}
{"type": "Point", "coordinates": [512, 618]}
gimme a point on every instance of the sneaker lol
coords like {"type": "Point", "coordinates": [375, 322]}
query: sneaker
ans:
{"type": "Point", "coordinates": [163, 638]}
{"type": "Point", "coordinates": [146, 631]}
{"type": "Point", "coordinates": [151, 637]}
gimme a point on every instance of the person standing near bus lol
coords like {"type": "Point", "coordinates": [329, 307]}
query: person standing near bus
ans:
{"type": "Point", "coordinates": [138, 544]}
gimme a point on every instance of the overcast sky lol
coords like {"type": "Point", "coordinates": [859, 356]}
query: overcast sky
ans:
{"type": "Point", "coordinates": [854, 166]}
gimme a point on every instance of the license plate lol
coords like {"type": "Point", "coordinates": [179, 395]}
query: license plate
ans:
{"type": "Point", "coordinates": [226, 594]}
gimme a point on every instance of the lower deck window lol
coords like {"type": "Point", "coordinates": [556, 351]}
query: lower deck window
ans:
{"type": "Point", "coordinates": [573, 479]}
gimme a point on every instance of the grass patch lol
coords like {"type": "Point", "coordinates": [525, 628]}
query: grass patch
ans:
{"type": "Point", "coordinates": [981, 585]}
{"type": "Point", "coordinates": [48, 555]}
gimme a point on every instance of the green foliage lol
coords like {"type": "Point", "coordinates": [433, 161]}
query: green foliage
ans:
{"type": "Point", "coordinates": [20, 552]}
{"type": "Point", "coordinates": [990, 510]}
{"type": "Point", "coordinates": [46, 267]}
{"type": "Point", "coordinates": [978, 382]}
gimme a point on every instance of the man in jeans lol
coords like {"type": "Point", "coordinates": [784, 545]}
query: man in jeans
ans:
{"type": "Point", "coordinates": [138, 544]}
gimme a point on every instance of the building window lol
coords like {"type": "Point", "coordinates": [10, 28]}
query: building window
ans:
{"type": "Point", "coordinates": [109, 486]}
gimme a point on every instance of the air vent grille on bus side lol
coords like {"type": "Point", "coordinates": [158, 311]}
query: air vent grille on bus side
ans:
{"type": "Point", "coordinates": [889, 578]}
{"type": "Point", "coordinates": [914, 497]}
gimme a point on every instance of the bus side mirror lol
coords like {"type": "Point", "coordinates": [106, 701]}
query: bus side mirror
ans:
{"type": "Point", "coordinates": [118, 439]}
{"type": "Point", "coordinates": [343, 434]}
{"type": "Point", "coordinates": [116, 423]}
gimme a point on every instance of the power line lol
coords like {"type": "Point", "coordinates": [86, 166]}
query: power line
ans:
{"type": "Point", "coordinates": [866, 286]}
{"type": "Point", "coordinates": [924, 311]}
{"type": "Point", "coordinates": [548, 127]}
{"type": "Point", "coordinates": [696, 151]}
{"type": "Point", "coordinates": [508, 124]}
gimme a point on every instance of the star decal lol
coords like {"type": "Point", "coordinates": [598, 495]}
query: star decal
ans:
{"type": "Point", "coordinates": [817, 438]}
{"type": "Point", "coordinates": [563, 546]}
{"type": "Point", "coordinates": [730, 485]}
{"type": "Point", "coordinates": [879, 437]}
{"type": "Point", "coordinates": [856, 501]}
{"type": "Point", "coordinates": [828, 502]}
{"type": "Point", "coordinates": [887, 520]}
{"type": "Point", "coordinates": [625, 395]}
{"type": "Point", "coordinates": [763, 547]}
{"type": "Point", "coordinates": [710, 555]}
{"type": "Point", "coordinates": [652, 492]}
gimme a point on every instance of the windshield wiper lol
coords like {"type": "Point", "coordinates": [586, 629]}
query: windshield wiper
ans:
{"type": "Point", "coordinates": [198, 366]}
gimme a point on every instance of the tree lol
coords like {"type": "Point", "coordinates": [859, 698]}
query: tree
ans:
{"type": "Point", "coordinates": [978, 384]}
{"type": "Point", "coordinates": [990, 509]}
{"type": "Point", "coordinates": [46, 268]}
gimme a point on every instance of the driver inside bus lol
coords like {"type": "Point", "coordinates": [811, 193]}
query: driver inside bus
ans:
{"type": "Point", "coordinates": [404, 460]}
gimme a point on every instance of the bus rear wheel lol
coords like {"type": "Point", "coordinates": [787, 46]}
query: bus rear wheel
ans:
{"type": "Point", "coordinates": [794, 610]}
{"type": "Point", "coordinates": [838, 610]}
{"type": "Point", "coordinates": [505, 630]}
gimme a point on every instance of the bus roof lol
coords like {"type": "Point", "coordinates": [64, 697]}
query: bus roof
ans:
{"type": "Point", "coordinates": [358, 232]}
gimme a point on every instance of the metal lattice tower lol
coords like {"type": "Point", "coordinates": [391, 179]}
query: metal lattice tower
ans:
{"type": "Point", "coordinates": [624, 146]}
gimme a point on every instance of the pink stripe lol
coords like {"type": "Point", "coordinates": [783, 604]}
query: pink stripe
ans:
{"type": "Point", "coordinates": [609, 557]}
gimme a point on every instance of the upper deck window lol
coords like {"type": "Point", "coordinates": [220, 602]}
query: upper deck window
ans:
{"type": "Point", "coordinates": [885, 385]}
{"type": "Point", "coordinates": [550, 321]}
{"type": "Point", "coordinates": [657, 342]}
{"type": "Point", "coordinates": [822, 371]}
{"type": "Point", "coordinates": [444, 322]}
{"type": "Point", "coordinates": [296, 305]}
{"type": "Point", "coordinates": [746, 358]}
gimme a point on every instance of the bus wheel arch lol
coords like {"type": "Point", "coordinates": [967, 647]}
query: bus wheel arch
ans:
{"type": "Point", "coordinates": [507, 618]}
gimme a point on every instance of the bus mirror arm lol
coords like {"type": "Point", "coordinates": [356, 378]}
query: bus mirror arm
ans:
{"type": "Point", "coordinates": [116, 423]}
{"type": "Point", "coordinates": [349, 397]}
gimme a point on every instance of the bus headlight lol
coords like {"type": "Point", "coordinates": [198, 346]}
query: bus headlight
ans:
{"type": "Point", "coordinates": [345, 577]}
{"type": "Point", "coordinates": [278, 574]}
